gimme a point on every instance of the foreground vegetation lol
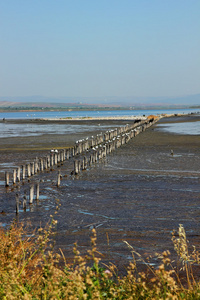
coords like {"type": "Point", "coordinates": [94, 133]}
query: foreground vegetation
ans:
{"type": "Point", "coordinates": [29, 269]}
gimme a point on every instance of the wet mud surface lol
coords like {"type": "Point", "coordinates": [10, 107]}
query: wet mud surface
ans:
{"type": "Point", "coordinates": [138, 194]}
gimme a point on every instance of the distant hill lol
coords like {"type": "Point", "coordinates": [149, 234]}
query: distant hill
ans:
{"type": "Point", "coordinates": [88, 102]}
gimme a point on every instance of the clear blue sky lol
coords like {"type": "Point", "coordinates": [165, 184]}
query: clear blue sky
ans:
{"type": "Point", "coordinates": [101, 48]}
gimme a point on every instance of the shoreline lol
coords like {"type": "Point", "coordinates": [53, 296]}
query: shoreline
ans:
{"type": "Point", "coordinates": [110, 118]}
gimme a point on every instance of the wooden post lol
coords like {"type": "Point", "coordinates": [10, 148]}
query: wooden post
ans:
{"type": "Point", "coordinates": [64, 154]}
{"type": "Point", "coordinates": [100, 154]}
{"type": "Point", "coordinates": [52, 159]}
{"type": "Point", "coordinates": [28, 170]}
{"type": "Point", "coordinates": [79, 166]}
{"type": "Point", "coordinates": [85, 162]}
{"type": "Point", "coordinates": [83, 145]}
{"type": "Point", "coordinates": [80, 147]}
{"type": "Point", "coordinates": [90, 160]}
{"type": "Point", "coordinates": [41, 164]}
{"type": "Point", "coordinates": [61, 156]}
{"type": "Point", "coordinates": [48, 161]}
{"type": "Point", "coordinates": [37, 169]}
{"type": "Point", "coordinates": [76, 167]}
{"type": "Point", "coordinates": [56, 158]}
{"type": "Point", "coordinates": [67, 154]}
{"type": "Point", "coordinates": [31, 194]}
{"type": "Point", "coordinates": [96, 154]}
{"type": "Point", "coordinates": [58, 179]}
{"type": "Point", "coordinates": [104, 150]}
{"type": "Point", "coordinates": [86, 144]}
{"type": "Point", "coordinates": [14, 176]}
{"type": "Point", "coordinates": [18, 174]}
{"type": "Point", "coordinates": [36, 166]}
{"type": "Point", "coordinates": [73, 151]}
{"type": "Point", "coordinates": [23, 172]}
{"type": "Point", "coordinates": [7, 179]}
{"type": "Point", "coordinates": [45, 163]}
{"type": "Point", "coordinates": [92, 141]}
{"type": "Point", "coordinates": [37, 191]}
{"type": "Point", "coordinates": [17, 203]}
{"type": "Point", "coordinates": [32, 168]}
{"type": "Point", "coordinates": [93, 157]}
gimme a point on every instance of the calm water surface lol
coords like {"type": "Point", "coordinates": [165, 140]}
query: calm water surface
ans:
{"type": "Point", "coordinates": [192, 128]}
{"type": "Point", "coordinates": [82, 114]}
{"type": "Point", "coordinates": [17, 130]}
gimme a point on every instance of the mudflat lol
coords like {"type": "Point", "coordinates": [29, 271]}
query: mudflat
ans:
{"type": "Point", "coordinates": [138, 194]}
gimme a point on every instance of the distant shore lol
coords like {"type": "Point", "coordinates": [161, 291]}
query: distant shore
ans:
{"type": "Point", "coordinates": [97, 119]}
{"type": "Point", "coordinates": [116, 118]}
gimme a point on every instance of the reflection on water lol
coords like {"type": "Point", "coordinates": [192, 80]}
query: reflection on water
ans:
{"type": "Point", "coordinates": [182, 128]}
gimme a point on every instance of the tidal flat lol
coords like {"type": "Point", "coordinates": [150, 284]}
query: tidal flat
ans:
{"type": "Point", "coordinates": [139, 193]}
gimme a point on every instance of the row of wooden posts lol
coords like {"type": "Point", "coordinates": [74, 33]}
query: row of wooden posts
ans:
{"type": "Point", "coordinates": [31, 197]}
{"type": "Point", "coordinates": [91, 150]}
{"type": "Point", "coordinates": [41, 164]}
{"type": "Point", "coordinates": [104, 145]}
{"type": "Point", "coordinates": [99, 146]}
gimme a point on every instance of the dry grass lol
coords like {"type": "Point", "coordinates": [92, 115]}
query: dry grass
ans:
{"type": "Point", "coordinates": [29, 269]}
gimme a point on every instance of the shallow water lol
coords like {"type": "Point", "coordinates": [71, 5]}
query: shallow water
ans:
{"type": "Point", "coordinates": [94, 114]}
{"type": "Point", "coordinates": [25, 130]}
{"type": "Point", "coordinates": [192, 128]}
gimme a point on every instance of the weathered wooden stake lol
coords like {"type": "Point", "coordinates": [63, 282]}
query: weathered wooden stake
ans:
{"type": "Point", "coordinates": [56, 158]}
{"type": "Point", "coordinates": [14, 176]}
{"type": "Point", "coordinates": [73, 151]}
{"type": "Point", "coordinates": [37, 191]}
{"type": "Point", "coordinates": [41, 164]}
{"type": "Point", "coordinates": [48, 161]}
{"type": "Point", "coordinates": [61, 156]}
{"type": "Point", "coordinates": [96, 154]}
{"type": "Point", "coordinates": [64, 154]}
{"type": "Point", "coordinates": [58, 180]}
{"type": "Point", "coordinates": [31, 194]}
{"type": "Point", "coordinates": [23, 172]}
{"type": "Point", "coordinates": [67, 154]}
{"type": "Point", "coordinates": [18, 174]}
{"type": "Point", "coordinates": [79, 166]}
{"type": "Point", "coordinates": [52, 160]}
{"type": "Point", "coordinates": [90, 160]}
{"type": "Point", "coordinates": [35, 167]}
{"type": "Point", "coordinates": [85, 162]}
{"type": "Point", "coordinates": [76, 167]}
{"type": "Point", "coordinates": [45, 163]}
{"type": "Point", "coordinates": [32, 168]}
{"type": "Point", "coordinates": [28, 170]}
{"type": "Point", "coordinates": [7, 179]}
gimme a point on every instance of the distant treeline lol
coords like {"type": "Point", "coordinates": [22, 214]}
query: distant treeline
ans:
{"type": "Point", "coordinates": [35, 108]}
{"type": "Point", "coordinates": [86, 108]}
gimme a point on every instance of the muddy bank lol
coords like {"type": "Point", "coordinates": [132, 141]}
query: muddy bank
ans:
{"type": "Point", "coordinates": [139, 194]}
